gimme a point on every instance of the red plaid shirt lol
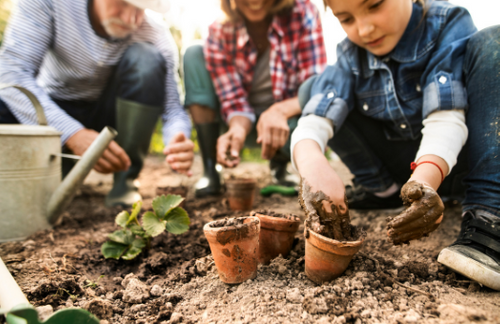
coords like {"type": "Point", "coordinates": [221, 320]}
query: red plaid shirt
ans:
{"type": "Point", "coordinates": [297, 52]}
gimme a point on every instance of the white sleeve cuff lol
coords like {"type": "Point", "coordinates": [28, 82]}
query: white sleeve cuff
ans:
{"type": "Point", "coordinates": [444, 135]}
{"type": "Point", "coordinates": [316, 128]}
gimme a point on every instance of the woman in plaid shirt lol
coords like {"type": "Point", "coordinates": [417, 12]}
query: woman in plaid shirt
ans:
{"type": "Point", "coordinates": [248, 72]}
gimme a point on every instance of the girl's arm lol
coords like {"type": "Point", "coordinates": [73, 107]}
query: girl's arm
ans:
{"type": "Point", "coordinates": [308, 145]}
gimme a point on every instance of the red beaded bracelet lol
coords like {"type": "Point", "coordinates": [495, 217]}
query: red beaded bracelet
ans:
{"type": "Point", "coordinates": [415, 165]}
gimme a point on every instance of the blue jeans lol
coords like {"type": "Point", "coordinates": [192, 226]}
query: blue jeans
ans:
{"type": "Point", "coordinates": [377, 162]}
{"type": "Point", "coordinates": [200, 90]}
{"type": "Point", "coordinates": [139, 76]}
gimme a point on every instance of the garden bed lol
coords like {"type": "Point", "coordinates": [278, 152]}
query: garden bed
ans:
{"type": "Point", "coordinates": [176, 282]}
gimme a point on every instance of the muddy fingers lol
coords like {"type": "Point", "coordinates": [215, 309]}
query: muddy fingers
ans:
{"type": "Point", "coordinates": [423, 215]}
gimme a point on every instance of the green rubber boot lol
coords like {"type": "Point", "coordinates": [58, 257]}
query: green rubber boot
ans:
{"type": "Point", "coordinates": [135, 124]}
{"type": "Point", "coordinates": [209, 184]}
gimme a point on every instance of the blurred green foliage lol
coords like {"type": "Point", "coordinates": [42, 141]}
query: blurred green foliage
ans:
{"type": "Point", "coordinates": [5, 9]}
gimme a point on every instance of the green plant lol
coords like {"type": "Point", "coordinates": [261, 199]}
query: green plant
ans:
{"type": "Point", "coordinates": [129, 242]}
{"type": "Point", "coordinates": [93, 284]}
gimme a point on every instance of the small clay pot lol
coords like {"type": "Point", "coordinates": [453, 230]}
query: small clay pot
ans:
{"type": "Point", "coordinates": [277, 232]}
{"type": "Point", "coordinates": [326, 259]}
{"type": "Point", "coordinates": [240, 193]}
{"type": "Point", "coordinates": [180, 190]}
{"type": "Point", "coordinates": [234, 244]}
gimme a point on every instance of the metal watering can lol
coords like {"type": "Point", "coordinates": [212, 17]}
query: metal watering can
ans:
{"type": "Point", "coordinates": [32, 195]}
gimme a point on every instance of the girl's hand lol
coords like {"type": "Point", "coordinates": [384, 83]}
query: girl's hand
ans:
{"type": "Point", "coordinates": [272, 131]}
{"type": "Point", "coordinates": [315, 169]}
{"type": "Point", "coordinates": [424, 214]}
{"type": "Point", "coordinates": [180, 154]}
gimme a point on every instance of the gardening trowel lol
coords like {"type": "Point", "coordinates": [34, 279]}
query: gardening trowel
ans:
{"type": "Point", "coordinates": [17, 310]}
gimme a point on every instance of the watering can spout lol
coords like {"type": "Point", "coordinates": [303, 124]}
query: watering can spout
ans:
{"type": "Point", "coordinates": [64, 193]}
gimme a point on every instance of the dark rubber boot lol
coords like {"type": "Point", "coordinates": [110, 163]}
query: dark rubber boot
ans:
{"type": "Point", "coordinates": [209, 184]}
{"type": "Point", "coordinates": [135, 124]}
{"type": "Point", "coordinates": [280, 174]}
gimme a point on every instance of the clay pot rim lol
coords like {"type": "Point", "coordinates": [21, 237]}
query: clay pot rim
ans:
{"type": "Point", "coordinates": [214, 230]}
{"type": "Point", "coordinates": [278, 224]}
{"type": "Point", "coordinates": [280, 219]}
{"type": "Point", "coordinates": [321, 241]}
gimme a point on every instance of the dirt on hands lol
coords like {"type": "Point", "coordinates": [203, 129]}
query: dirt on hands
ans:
{"type": "Point", "coordinates": [335, 224]}
{"type": "Point", "coordinates": [423, 215]}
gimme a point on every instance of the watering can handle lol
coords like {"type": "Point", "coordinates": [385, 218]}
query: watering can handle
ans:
{"type": "Point", "coordinates": [38, 107]}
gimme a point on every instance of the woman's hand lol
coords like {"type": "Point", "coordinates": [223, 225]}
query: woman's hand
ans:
{"type": "Point", "coordinates": [272, 131]}
{"type": "Point", "coordinates": [180, 154]}
{"type": "Point", "coordinates": [272, 128]}
{"type": "Point", "coordinates": [230, 144]}
{"type": "Point", "coordinates": [424, 214]}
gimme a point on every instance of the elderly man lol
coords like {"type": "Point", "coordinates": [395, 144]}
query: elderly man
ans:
{"type": "Point", "coordinates": [93, 63]}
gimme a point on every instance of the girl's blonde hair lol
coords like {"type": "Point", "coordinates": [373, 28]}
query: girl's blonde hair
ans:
{"type": "Point", "coordinates": [232, 14]}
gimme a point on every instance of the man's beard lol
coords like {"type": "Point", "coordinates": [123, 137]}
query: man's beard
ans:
{"type": "Point", "coordinates": [113, 29]}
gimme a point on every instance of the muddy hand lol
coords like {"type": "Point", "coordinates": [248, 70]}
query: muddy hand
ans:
{"type": "Point", "coordinates": [424, 214]}
{"type": "Point", "coordinates": [323, 216]}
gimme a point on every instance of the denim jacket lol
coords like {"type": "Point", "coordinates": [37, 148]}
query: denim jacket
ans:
{"type": "Point", "coordinates": [422, 74]}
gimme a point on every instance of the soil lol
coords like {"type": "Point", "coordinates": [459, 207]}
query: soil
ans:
{"type": "Point", "coordinates": [176, 282]}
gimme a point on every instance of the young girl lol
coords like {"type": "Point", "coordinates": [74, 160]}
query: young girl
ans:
{"type": "Point", "coordinates": [406, 77]}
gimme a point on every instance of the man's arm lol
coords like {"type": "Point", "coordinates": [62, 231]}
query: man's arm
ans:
{"type": "Point", "coordinates": [27, 40]}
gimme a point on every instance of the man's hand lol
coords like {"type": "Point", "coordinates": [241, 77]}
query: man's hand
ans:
{"type": "Point", "coordinates": [424, 214]}
{"type": "Point", "coordinates": [180, 154]}
{"type": "Point", "coordinates": [113, 159]}
{"type": "Point", "coordinates": [272, 131]}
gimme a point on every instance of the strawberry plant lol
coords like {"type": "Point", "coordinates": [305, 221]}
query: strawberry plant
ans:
{"type": "Point", "coordinates": [128, 242]}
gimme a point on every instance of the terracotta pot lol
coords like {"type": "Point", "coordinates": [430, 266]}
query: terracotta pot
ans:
{"type": "Point", "coordinates": [276, 235]}
{"type": "Point", "coordinates": [240, 193]}
{"type": "Point", "coordinates": [235, 248]}
{"type": "Point", "coordinates": [326, 259]}
{"type": "Point", "coordinates": [181, 191]}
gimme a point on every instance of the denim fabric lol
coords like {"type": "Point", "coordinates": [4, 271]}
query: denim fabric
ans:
{"type": "Point", "coordinates": [377, 162]}
{"type": "Point", "coordinates": [197, 80]}
{"type": "Point", "coordinates": [422, 74]}
{"type": "Point", "coordinates": [482, 75]}
{"type": "Point", "coordinates": [139, 76]}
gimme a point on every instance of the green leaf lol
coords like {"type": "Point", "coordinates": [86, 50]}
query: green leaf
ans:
{"type": "Point", "coordinates": [131, 253]}
{"type": "Point", "coordinates": [122, 236]}
{"type": "Point", "coordinates": [113, 250]}
{"type": "Point", "coordinates": [136, 208]}
{"type": "Point", "coordinates": [163, 204]}
{"type": "Point", "coordinates": [137, 229]}
{"type": "Point", "coordinates": [152, 224]}
{"type": "Point", "coordinates": [139, 243]}
{"type": "Point", "coordinates": [122, 218]}
{"type": "Point", "coordinates": [177, 221]}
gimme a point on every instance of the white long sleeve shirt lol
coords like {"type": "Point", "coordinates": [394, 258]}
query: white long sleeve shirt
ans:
{"type": "Point", "coordinates": [444, 134]}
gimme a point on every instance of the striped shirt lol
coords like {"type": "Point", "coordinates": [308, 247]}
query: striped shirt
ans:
{"type": "Point", "coordinates": [51, 49]}
{"type": "Point", "coordinates": [297, 52]}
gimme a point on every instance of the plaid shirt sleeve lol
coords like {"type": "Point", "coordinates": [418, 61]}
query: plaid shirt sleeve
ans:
{"type": "Point", "coordinates": [311, 51]}
{"type": "Point", "coordinates": [219, 53]}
